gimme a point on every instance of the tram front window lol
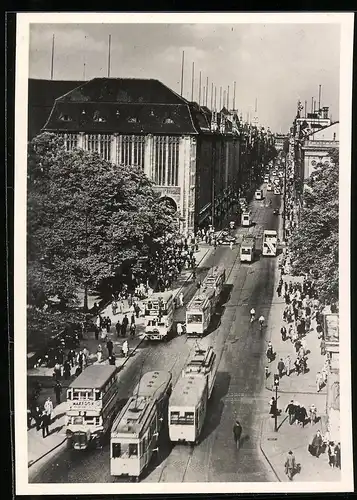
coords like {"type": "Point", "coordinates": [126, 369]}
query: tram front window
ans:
{"type": "Point", "coordinates": [178, 419]}
{"type": "Point", "coordinates": [194, 318]}
{"type": "Point", "coordinates": [245, 251]}
{"type": "Point", "coordinates": [124, 450]}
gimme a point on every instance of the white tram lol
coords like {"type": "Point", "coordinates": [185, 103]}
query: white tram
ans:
{"type": "Point", "coordinates": [189, 399]}
{"type": "Point", "coordinates": [203, 304]}
{"type": "Point", "coordinates": [187, 409]}
{"type": "Point", "coordinates": [135, 431]}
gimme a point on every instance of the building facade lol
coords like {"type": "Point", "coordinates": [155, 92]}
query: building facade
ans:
{"type": "Point", "coordinates": [190, 153]}
{"type": "Point", "coordinates": [316, 147]}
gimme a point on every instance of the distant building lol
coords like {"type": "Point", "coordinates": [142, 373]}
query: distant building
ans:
{"type": "Point", "coordinates": [190, 153]}
{"type": "Point", "coordinates": [280, 140]}
{"type": "Point", "coordinates": [331, 337]}
{"type": "Point", "coordinates": [317, 145]}
{"type": "Point", "coordinates": [41, 97]}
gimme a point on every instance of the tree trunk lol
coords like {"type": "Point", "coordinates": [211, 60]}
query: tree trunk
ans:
{"type": "Point", "coordinates": [85, 303]}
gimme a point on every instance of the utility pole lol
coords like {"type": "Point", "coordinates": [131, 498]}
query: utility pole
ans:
{"type": "Point", "coordinates": [52, 54]}
{"type": "Point", "coordinates": [284, 198]}
{"type": "Point", "coordinates": [193, 79]}
{"type": "Point", "coordinates": [206, 90]}
{"type": "Point", "coordinates": [199, 91]}
{"type": "Point", "coordinates": [109, 44]}
{"type": "Point", "coordinates": [182, 66]}
{"type": "Point", "coordinates": [234, 95]}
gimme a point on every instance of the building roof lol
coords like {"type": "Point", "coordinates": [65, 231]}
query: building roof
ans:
{"type": "Point", "coordinates": [188, 391]}
{"type": "Point", "coordinates": [128, 106]}
{"type": "Point", "coordinates": [41, 97]}
{"type": "Point", "coordinates": [93, 377]}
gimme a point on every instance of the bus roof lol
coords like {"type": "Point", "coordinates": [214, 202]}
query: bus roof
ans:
{"type": "Point", "coordinates": [93, 377]}
{"type": "Point", "coordinates": [188, 391]}
{"type": "Point", "coordinates": [132, 418]}
{"type": "Point", "coordinates": [152, 384]}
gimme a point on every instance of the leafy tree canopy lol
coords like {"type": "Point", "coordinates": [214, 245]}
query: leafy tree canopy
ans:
{"type": "Point", "coordinates": [85, 218]}
{"type": "Point", "coordinates": [314, 245]}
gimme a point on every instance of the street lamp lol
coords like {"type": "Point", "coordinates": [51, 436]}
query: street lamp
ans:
{"type": "Point", "coordinates": [276, 385]}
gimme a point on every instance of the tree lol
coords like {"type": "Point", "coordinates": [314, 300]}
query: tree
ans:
{"type": "Point", "coordinates": [314, 245]}
{"type": "Point", "coordinates": [86, 217]}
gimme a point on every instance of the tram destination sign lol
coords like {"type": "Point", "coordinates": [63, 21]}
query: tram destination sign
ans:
{"type": "Point", "coordinates": [85, 405]}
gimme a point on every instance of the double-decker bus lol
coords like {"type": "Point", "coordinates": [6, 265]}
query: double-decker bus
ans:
{"type": "Point", "coordinates": [270, 239]}
{"type": "Point", "coordinates": [246, 218]}
{"type": "Point", "coordinates": [92, 402]}
{"type": "Point", "coordinates": [135, 431]}
{"type": "Point", "coordinates": [159, 315]}
{"type": "Point", "coordinates": [203, 304]}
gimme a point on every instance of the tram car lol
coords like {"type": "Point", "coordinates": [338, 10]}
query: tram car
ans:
{"type": "Point", "coordinates": [189, 399]}
{"type": "Point", "coordinates": [187, 409]}
{"type": "Point", "coordinates": [202, 306]}
{"type": "Point", "coordinates": [203, 364]}
{"type": "Point", "coordinates": [135, 431]}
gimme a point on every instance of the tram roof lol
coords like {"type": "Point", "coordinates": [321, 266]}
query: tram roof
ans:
{"type": "Point", "coordinates": [156, 295]}
{"type": "Point", "coordinates": [93, 377]}
{"type": "Point", "coordinates": [153, 383]}
{"type": "Point", "coordinates": [270, 232]}
{"type": "Point", "coordinates": [188, 391]}
{"type": "Point", "coordinates": [133, 416]}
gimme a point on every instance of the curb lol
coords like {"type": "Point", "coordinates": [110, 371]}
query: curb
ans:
{"type": "Point", "coordinates": [30, 464]}
{"type": "Point", "coordinates": [265, 455]}
{"type": "Point", "coordinates": [190, 275]}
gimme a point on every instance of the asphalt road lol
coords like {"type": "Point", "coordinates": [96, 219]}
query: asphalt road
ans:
{"type": "Point", "coordinates": [237, 392]}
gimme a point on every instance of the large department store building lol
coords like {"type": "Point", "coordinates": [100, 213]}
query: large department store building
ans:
{"type": "Point", "coordinates": [191, 153]}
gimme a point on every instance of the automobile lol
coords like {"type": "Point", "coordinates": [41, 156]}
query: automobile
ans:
{"type": "Point", "coordinates": [226, 239]}
{"type": "Point", "coordinates": [269, 187]}
{"type": "Point", "coordinates": [266, 178]}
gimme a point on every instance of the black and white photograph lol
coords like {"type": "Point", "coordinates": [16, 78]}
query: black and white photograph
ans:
{"type": "Point", "coordinates": [182, 220]}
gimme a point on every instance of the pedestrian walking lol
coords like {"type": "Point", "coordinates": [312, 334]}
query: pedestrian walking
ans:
{"type": "Point", "coordinates": [290, 465]}
{"type": "Point", "coordinates": [312, 414]}
{"type": "Point", "coordinates": [132, 319]}
{"type": "Point", "coordinates": [181, 299]}
{"type": "Point", "coordinates": [290, 410]}
{"type": "Point", "coordinates": [112, 360]}
{"type": "Point", "coordinates": [179, 329]}
{"type": "Point", "coordinates": [281, 367]}
{"type": "Point", "coordinates": [316, 444]}
{"type": "Point", "coordinates": [124, 325]}
{"type": "Point", "coordinates": [45, 423]}
{"type": "Point", "coordinates": [338, 456]}
{"type": "Point", "coordinates": [237, 433]}
{"type": "Point", "coordinates": [99, 354]}
{"type": "Point", "coordinates": [331, 452]}
{"type": "Point", "coordinates": [132, 329]}
{"type": "Point", "coordinates": [114, 307]}
{"type": "Point", "coordinates": [96, 332]}
{"type": "Point", "coordinates": [48, 408]}
{"type": "Point", "coordinates": [58, 391]}
{"type": "Point", "coordinates": [118, 327]}
{"type": "Point", "coordinates": [125, 348]}
{"type": "Point", "coordinates": [108, 324]}
{"type": "Point", "coordinates": [319, 381]}
{"type": "Point", "coordinates": [110, 348]}
{"type": "Point", "coordinates": [67, 369]}
{"type": "Point", "coordinates": [136, 309]}
{"type": "Point", "coordinates": [283, 333]}
{"type": "Point", "coordinates": [288, 365]}
{"type": "Point", "coordinates": [273, 407]}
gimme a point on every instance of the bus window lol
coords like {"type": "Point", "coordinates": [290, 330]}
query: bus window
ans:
{"type": "Point", "coordinates": [189, 418]}
{"type": "Point", "coordinates": [133, 450]}
{"type": "Point", "coordinates": [98, 395]}
{"type": "Point", "coordinates": [116, 450]}
{"type": "Point", "coordinates": [194, 318]}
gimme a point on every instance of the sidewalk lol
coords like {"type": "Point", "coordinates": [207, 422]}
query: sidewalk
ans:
{"type": "Point", "coordinates": [302, 388]}
{"type": "Point", "coordinates": [39, 447]}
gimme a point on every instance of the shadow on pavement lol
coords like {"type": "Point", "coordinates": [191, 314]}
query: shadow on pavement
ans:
{"type": "Point", "coordinates": [216, 405]}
